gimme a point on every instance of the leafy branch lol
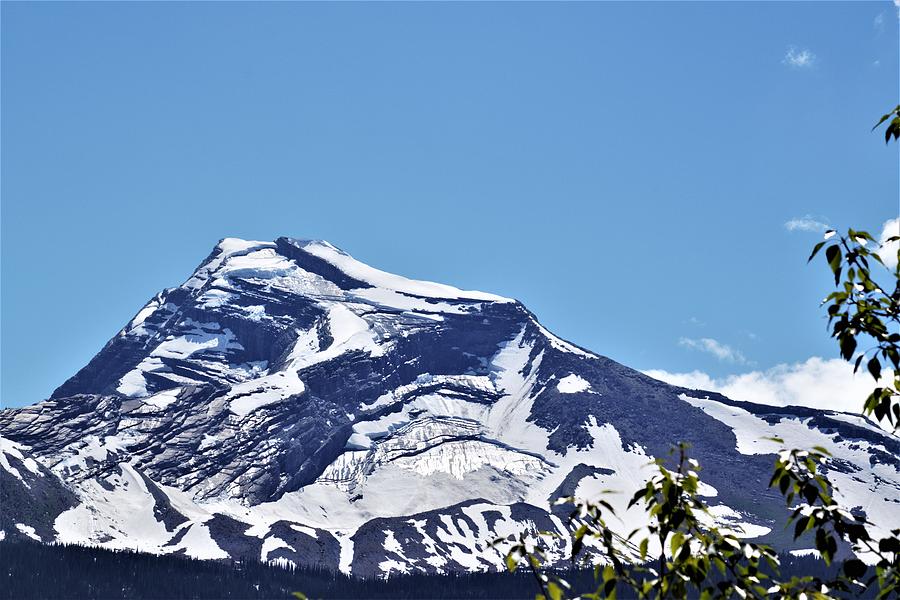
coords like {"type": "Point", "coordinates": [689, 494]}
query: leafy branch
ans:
{"type": "Point", "coordinates": [862, 310]}
{"type": "Point", "coordinates": [893, 128]}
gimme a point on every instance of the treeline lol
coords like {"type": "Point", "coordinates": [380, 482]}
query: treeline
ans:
{"type": "Point", "coordinates": [34, 571]}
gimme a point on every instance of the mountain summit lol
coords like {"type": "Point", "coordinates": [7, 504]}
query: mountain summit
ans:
{"type": "Point", "coordinates": [288, 402]}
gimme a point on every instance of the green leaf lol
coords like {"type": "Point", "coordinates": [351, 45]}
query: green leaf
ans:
{"type": "Point", "coordinates": [801, 526]}
{"type": "Point", "coordinates": [577, 545]}
{"type": "Point", "coordinates": [815, 250]}
{"type": "Point", "coordinates": [676, 541]}
{"type": "Point", "coordinates": [511, 563]}
{"type": "Point", "coordinates": [893, 130]}
{"type": "Point", "coordinates": [783, 485]}
{"type": "Point", "coordinates": [810, 493]}
{"type": "Point", "coordinates": [833, 256]}
{"type": "Point", "coordinates": [848, 346]}
{"type": "Point", "coordinates": [555, 591]}
{"type": "Point", "coordinates": [826, 545]}
{"type": "Point", "coordinates": [854, 568]}
{"type": "Point", "coordinates": [889, 544]}
{"type": "Point", "coordinates": [886, 117]}
{"type": "Point", "coordinates": [874, 367]}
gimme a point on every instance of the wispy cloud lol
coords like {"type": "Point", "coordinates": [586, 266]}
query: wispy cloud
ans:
{"type": "Point", "coordinates": [799, 58]}
{"type": "Point", "coordinates": [807, 223]}
{"type": "Point", "coordinates": [878, 22]}
{"type": "Point", "coordinates": [721, 351]}
{"type": "Point", "coordinates": [888, 251]}
{"type": "Point", "coordinates": [819, 383]}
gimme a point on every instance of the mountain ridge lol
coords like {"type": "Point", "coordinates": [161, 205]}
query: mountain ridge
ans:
{"type": "Point", "coordinates": [289, 402]}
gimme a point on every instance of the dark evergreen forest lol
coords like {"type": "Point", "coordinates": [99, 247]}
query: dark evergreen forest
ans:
{"type": "Point", "coordinates": [49, 572]}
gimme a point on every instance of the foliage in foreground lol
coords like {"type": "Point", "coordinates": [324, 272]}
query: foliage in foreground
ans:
{"type": "Point", "coordinates": [694, 558]}
{"type": "Point", "coordinates": [689, 548]}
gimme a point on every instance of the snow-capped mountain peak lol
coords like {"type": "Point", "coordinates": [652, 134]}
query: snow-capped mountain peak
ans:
{"type": "Point", "coordinates": [316, 259]}
{"type": "Point", "coordinates": [289, 402]}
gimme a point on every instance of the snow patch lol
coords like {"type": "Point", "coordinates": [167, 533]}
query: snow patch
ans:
{"type": "Point", "coordinates": [246, 397]}
{"type": "Point", "coordinates": [270, 544]}
{"type": "Point", "coordinates": [91, 448]}
{"type": "Point", "coordinates": [572, 384]}
{"type": "Point", "coordinates": [198, 543]}
{"type": "Point", "coordinates": [381, 279]}
{"type": "Point", "coordinates": [514, 372]}
{"type": "Point", "coordinates": [349, 332]}
{"type": "Point", "coordinates": [163, 399]}
{"type": "Point", "coordinates": [394, 299]}
{"type": "Point", "coordinates": [561, 344]}
{"type": "Point", "coordinates": [10, 448]}
{"type": "Point", "coordinates": [865, 488]}
{"type": "Point", "coordinates": [29, 531]}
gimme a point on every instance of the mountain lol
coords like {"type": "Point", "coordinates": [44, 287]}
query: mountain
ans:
{"type": "Point", "coordinates": [290, 403]}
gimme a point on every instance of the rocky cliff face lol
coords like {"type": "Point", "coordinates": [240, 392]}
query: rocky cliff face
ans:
{"type": "Point", "coordinates": [288, 402]}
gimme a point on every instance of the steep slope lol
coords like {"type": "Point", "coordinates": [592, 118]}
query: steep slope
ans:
{"type": "Point", "coordinates": [31, 497]}
{"type": "Point", "coordinates": [290, 403]}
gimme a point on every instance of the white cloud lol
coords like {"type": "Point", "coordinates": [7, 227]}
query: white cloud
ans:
{"type": "Point", "coordinates": [721, 351]}
{"type": "Point", "coordinates": [888, 252]}
{"type": "Point", "coordinates": [807, 223]}
{"type": "Point", "coordinates": [799, 58]}
{"type": "Point", "coordinates": [878, 23]}
{"type": "Point", "coordinates": [817, 383]}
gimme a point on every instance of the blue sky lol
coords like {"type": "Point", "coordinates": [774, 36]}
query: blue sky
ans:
{"type": "Point", "coordinates": [626, 170]}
